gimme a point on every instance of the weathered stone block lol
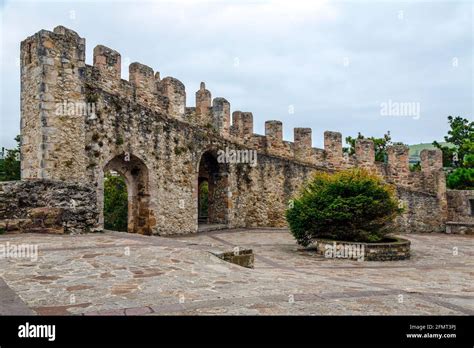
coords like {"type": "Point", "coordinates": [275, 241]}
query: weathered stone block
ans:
{"type": "Point", "coordinates": [241, 257]}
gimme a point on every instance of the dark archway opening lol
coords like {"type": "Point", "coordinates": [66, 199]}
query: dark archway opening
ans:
{"type": "Point", "coordinates": [115, 202]}
{"type": "Point", "coordinates": [135, 176]}
{"type": "Point", "coordinates": [203, 208]}
{"type": "Point", "coordinates": [212, 191]}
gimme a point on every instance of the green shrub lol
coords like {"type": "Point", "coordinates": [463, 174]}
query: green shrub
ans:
{"type": "Point", "coordinates": [203, 199]}
{"type": "Point", "coordinates": [469, 161]}
{"type": "Point", "coordinates": [351, 205]}
{"type": "Point", "coordinates": [10, 167]}
{"type": "Point", "coordinates": [461, 179]}
{"type": "Point", "coordinates": [416, 167]}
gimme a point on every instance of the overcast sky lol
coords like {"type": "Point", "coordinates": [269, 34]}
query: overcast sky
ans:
{"type": "Point", "coordinates": [328, 65]}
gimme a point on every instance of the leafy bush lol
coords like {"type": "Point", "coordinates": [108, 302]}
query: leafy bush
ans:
{"type": "Point", "coordinates": [416, 167]}
{"type": "Point", "coordinates": [115, 203]}
{"type": "Point", "coordinates": [351, 205]}
{"type": "Point", "coordinates": [469, 161]}
{"type": "Point", "coordinates": [461, 179]}
{"type": "Point", "coordinates": [461, 137]}
{"type": "Point", "coordinates": [203, 199]}
{"type": "Point", "coordinates": [10, 167]}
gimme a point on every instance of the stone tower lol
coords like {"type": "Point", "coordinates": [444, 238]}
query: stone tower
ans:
{"type": "Point", "coordinates": [53, 107]}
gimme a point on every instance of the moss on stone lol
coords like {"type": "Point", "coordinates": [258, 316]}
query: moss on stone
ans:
{"type": "Point", "coordinates": [119, 140]}
{"type": "Point", "coordinates": [92, 97]}
{"type": "Point", "coordinates": [179, 150]}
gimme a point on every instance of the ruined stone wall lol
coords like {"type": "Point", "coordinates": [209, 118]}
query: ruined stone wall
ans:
{"type": "Point", "coordinates": [422, 212]}
{"type": "Point", "coordinates": [48, 206]}
{"type": "Point", "coordinates": [146, 119]}
{"type": "Point", "coordinates": [460, 208]}
{"type": "Point", "coordinates": [460, 211]}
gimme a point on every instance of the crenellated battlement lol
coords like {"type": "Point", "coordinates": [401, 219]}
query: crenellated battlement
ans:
{"type": "Point", "coordinates": [108, 61]}
{"type": "Point", "coordinates": [53, 71]}
{"type": "Point", "coordinates": [221, 116]}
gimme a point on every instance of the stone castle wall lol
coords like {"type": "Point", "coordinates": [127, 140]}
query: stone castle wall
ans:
{"type": "Point", "coordinates": [460, 207]}
{"type": "Point", "coordinates": [460, 211]}
{"type": "Point", "coordinates": [143, 129]}
{"type": "Point", "coordinates": [423, 212]}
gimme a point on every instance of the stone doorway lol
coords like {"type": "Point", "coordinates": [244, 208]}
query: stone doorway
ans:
{"type": "Point", "coordinates": [135, 173]}
{"type": "Point", "coordinates": [212, 195]}
{"type": "Point", "coordinates": [115, 202]}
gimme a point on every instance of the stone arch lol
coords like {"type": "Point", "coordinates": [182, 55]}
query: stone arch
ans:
{"type": "Point", "coordinates": [135, 172]}
{"type": "Point", "coordinates": [217, 177]}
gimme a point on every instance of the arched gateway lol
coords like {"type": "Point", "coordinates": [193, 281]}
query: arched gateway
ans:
{"type": "Point", "coordinates": [135, 172]}
{"type": "Point", "coordinates": [213, 186]}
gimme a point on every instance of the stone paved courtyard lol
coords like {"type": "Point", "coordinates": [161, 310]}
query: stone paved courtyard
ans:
{"type": "Point", "coordinates": [127, 274]}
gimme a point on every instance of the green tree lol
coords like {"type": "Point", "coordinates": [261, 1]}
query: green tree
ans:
{"type": "Point", "coordinates": [461, 135]}
{"type": "Point", "coordinates": [415, 167]}
{"type": "Point", "coordinates": [461, 179]}
{"type": "Point", "coordinates": [351, 205]}
{"type": "Point", "coordinates": [10, 166]}
{"type": "Point", "coordinates": [380, 145]}
{"type": "Point", "coordinates": [468, 161]}
{"type": "Point", "coordinates": [115, 203]}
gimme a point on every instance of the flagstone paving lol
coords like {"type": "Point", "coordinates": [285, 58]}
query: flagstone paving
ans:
{"type": "Point", "coordinates": [116, 273]}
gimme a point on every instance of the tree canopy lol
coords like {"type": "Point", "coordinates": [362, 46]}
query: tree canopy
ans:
{"type": "Point", "coordinates": [10, 168]}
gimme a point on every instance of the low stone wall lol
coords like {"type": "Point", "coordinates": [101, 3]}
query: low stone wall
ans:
{"type": "Point", "coordinates": [460, 211]}
{"type": "Point", "coordinates": [241, 257]}
{"type": "Point", "coordinates": [459, 206]}
{"type": "Point", "coordinates": [48, 206]}
{"type": "Point", "coordinates": [399, 249]}
{"type": "Point", "coordinates": [423, 212]}
{"type": "Point", "coordinates": [460, 227]}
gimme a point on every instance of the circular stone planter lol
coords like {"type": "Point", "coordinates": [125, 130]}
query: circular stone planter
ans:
{"type": "Point", "coordinates": [392, 249]}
